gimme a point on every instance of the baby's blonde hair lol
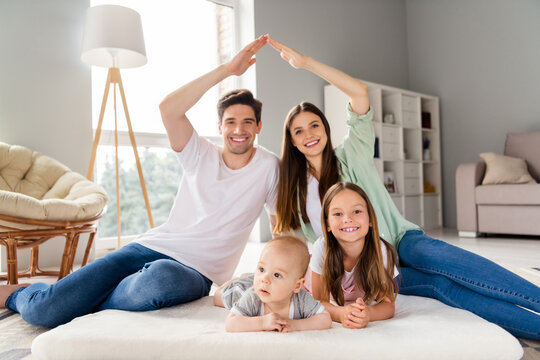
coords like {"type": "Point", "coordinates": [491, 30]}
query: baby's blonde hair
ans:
{"type": "Point", "coordinates": [295, 247]}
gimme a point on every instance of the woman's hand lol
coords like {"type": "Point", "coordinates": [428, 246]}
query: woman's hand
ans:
{"type": "Point", "coordinates": [293, 57]}
{"type": "Point", "coordinates": [355, 89]}
{"type": "Point", "coordinates": [244, 59]}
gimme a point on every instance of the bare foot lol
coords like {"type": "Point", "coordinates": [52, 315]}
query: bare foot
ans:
{"type": "Point", "coordinates": [6, 290]}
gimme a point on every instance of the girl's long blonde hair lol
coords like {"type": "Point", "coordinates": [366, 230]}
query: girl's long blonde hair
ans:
{"type": "Point", "coordinates": [370, 274]}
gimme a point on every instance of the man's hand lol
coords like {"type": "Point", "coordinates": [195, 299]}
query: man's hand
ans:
{"type": "Point", "coordinates": [273, 322]}
{"type": "Point", "coordinates": [355, 315]}
{"type": "Point", "coordinates": [244, 59]}
{"type": "Point", "coordinates": [293, 57]}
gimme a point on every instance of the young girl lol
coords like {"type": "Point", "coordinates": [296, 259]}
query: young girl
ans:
{"type": "Point", "coordinates": [352, 265]}
{"type": "Point", "coordinates": [429, 267]}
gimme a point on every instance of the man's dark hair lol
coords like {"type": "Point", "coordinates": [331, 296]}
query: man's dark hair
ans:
{"type": "Point", "coordinates": [239, 96]}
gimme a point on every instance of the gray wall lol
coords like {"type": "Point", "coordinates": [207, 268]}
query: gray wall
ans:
{"type": "Point", "coordinates": [482, 58]}
{"type": "Point", "coordinates": [45, 89]}
{"type": "Point", "coordinates": [365, 38]}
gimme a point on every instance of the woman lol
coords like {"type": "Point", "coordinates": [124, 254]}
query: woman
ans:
{"type": "Point", "coordinates": [429, 267]}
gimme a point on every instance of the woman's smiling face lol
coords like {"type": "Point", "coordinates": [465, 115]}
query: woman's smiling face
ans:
{"type": "Point", "coordinates": [308, 134]}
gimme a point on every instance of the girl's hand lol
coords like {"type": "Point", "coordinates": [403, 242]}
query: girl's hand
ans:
{"type": "Point", "coordinates": [293, 57]}
{"type": "Point", "coordinates": [244, 59]}
{"type": "Point", "coordinates": [273, 322]}
{"type": "Point", "coordinates": [355, 315]}
{"type": "Point", "coordinates": [363, 319]}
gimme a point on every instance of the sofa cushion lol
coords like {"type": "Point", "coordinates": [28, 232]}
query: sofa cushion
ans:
{"type": "Point", "coordinates": [508, 194]}
{"type": "Point", "coordinates": [525, 146]}
{"type": "Point", "coordinates": [502, 169]}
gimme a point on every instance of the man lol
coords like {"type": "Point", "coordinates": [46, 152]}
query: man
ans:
{"type": "Point", "coordinates": [218, 202]}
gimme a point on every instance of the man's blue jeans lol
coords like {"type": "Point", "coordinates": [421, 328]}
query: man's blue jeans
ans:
{"type": "Point", "coordinates": [433, 268]}
{"type": "Point", "coordinates": [132, 278]}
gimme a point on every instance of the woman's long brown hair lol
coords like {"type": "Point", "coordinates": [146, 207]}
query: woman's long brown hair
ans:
{"type": "Point", "coordinates": [293, 166]}
{"type": "Point", "coordinates": [370, 274]}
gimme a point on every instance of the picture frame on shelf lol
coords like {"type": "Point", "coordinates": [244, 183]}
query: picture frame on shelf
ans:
{"type": "Point", "coordinates": [390, 182]}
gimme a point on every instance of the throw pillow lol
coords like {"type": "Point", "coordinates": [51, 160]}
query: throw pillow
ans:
{"type": "Point", "coordinates": [502, 169]}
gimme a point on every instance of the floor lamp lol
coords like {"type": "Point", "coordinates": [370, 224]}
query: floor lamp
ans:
{"type": "Point", "coordinates": [113, 38]}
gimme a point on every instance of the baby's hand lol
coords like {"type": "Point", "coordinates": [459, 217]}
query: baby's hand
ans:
{"type": "Point", "coordinates": [354, 315]}
{"type": "Point", "coordinates": [273, 322]}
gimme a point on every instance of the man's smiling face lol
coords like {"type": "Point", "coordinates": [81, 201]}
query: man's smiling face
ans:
{"type": "Point", "coordinates": [239, 128]}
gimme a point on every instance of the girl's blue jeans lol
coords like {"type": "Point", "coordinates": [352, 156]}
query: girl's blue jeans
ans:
{"type": "Point", "coordinates": [132, 278]}
{"type": "Point", "coordinates": [433, 268]}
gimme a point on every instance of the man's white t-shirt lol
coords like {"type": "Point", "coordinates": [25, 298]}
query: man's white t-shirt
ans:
{"type": "Point", "coordinates": [215, 209]}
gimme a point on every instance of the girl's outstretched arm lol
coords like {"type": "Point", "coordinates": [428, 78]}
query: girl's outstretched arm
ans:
{"type": "Point", "coordinates": [355, 89]}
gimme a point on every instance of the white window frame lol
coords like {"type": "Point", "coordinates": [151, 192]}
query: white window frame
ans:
{"type": "Point", "coordinates": [160, 140]}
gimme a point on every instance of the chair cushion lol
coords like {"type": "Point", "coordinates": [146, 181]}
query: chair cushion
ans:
{"type": "Point", "coordinates": [508, 194]}
{"type": "Point", "coordinates": [421, 328]}
{"type": "Point", "coordinates": [502, 169]}
{"type": "Point", "coordinates": [525, 146]}
{"type": "Point", "coordinates": [38, 187]}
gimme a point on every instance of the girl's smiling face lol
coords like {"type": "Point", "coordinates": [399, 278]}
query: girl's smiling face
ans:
{"type": "Point", "coordinates": [348, 217]}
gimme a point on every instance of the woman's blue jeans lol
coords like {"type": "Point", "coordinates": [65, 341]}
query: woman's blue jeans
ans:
{"type": "Point", "coordinates": [132, 278]}
{"type": "Point", "coordinates": [459, 278]}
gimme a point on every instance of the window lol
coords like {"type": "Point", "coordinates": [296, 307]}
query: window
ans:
{"type": "Point", "coordinates": [184, 39]}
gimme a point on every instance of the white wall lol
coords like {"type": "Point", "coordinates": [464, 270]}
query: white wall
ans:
{"type": "Point", "coordinates": [482, 58]}
{"type": "Point", "coordinates": [45, 97]}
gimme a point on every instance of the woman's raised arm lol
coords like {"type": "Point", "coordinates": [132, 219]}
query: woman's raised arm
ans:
{"type": "Point", "coordinates": [355, 89]}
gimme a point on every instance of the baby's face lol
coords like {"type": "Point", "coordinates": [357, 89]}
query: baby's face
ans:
{"type": "Point", "coordinates": [277, 275]}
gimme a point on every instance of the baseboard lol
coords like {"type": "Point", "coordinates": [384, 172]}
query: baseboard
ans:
{"type": "Point", "coordinates": [469, 234]}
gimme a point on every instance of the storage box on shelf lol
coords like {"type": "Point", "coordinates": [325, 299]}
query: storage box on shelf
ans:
{"type": "Point", "coordinates": [407, 129]}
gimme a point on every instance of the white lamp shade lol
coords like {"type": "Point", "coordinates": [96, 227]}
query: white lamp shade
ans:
{"type": "Point", "coordinates": [113, 37]}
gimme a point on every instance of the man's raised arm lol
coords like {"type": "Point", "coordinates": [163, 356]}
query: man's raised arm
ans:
{"type": "Point", "coordinates": [175, 105]}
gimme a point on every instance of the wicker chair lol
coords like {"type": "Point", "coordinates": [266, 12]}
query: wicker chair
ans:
{"type": "Point", "coordinates": [41, 199]}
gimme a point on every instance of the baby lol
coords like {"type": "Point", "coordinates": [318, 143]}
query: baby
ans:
{"type": "Point", "coordinates": [272, 299]}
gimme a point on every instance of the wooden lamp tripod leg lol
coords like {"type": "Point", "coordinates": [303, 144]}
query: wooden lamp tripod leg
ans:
{"type": "Point", "coordinates": [113, 77]}
{"type": "Point", "coordinates": [98, 130]}
{"type": "Point", "coordinates": [118, 79]}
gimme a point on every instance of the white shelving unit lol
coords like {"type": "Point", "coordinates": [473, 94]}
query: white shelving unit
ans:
{"type": "Point", "coordinates": [408, 146]}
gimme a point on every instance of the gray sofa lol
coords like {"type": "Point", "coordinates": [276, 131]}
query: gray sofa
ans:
{"type": "Point", "coordinates": [502, 208]}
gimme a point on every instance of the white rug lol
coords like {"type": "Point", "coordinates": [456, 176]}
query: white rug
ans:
{"type": "Point", "coordinates": [422, 328]}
